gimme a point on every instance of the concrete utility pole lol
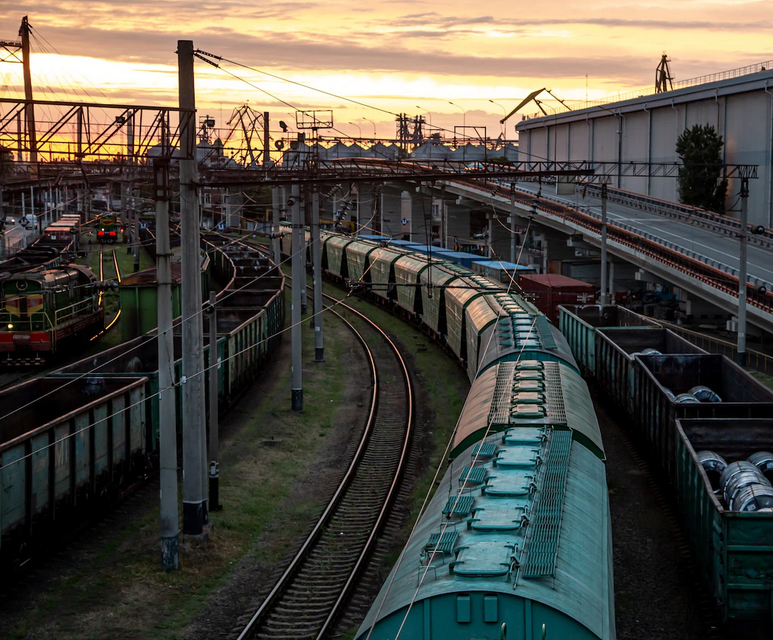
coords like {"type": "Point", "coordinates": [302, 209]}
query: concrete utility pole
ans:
{"type": "Point", "coordinates": [126, 220]}
{"type": "Point", "coordinates": [276, 247]}
{"type": "Point", "coordinates": [29, 109]}
{"type": "Point", "coordinates": [604, 283]}
{"type": "Point", "coordinates": [316, 253]}
{"type": "Point", "coordinates": [136, 238]}
{"type": "Point", "coordinates": [299, 285]}
{"type": "Point", "coordinates": [266, 141]}
{"type": "Point", "coordinates": [214, 436]}
{"type": "Point", "coordinates": [742, 277]}
{"type": "Point", "coordinates": [170, 528]}
{"type": "Point", "coordinates": [305, 215]}
{"type": "Point", "coordinates": [195, 514]}
{"type": "Point", "coordinates": [513, 256]}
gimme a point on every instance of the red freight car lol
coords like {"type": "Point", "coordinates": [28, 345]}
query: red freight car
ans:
{"type": "Point", "coordinates": [548, 290]}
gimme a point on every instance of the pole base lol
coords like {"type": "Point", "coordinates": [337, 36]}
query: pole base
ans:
{"type": "Point", "coordinates": [214, 494]}
{"type": "Point", "coordinates": [740, 358]}
{"type": "Point", "coordinates": [297, 399]}
{"type": "Point", "coordinates": [319, 354]}
{"type": "Point", "coordinates": [170, 556]}
{"type": "Point", "coordinates": [193, 518]}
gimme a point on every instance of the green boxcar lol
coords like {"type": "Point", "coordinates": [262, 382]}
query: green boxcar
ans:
{"type": "Point", "coordinates": [358, 260]}
{"type": "Point", "coordinates": [458, 296]}
{"type": "Point", "coordinates": [734, 549]}
{"type": "Point", "coordinates": [335, 255]}
{"type": "Point", "coordinates": [498, 543]}
{"type": "Point", "coordinates": [382, 272]}
{"type": "Point", "coordinates": [408, 270]}
{"type": "Point", "coordinates": [481, 316]}
{"type": "Point", "coordinates": [138, 300]}
{"type": "Point", "coordinates": [435, 281]}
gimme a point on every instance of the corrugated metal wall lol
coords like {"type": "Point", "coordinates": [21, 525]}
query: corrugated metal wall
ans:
{"type": "Point", "coordinates": [744, 119]}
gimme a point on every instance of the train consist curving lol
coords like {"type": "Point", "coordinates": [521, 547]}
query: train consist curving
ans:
{"type": "Point", "coordinates": [518, 532]}
{"type": "Point", "coordinates": [79, 436]}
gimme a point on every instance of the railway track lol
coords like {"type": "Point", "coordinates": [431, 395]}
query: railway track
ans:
{"type": "Point", "coordinates": [117, 271]}
{"type": "Point", "coordinates": [313, 590]}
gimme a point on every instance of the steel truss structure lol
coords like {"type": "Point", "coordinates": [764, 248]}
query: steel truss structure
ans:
{"type": "Point", "coordinates": [89, 132]}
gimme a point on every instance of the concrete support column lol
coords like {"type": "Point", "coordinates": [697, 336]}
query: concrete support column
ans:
{"type": "Point", "coordinates": [420, 216]}
{"type": "Point", "coordinates": [392, 213]}
{"type": "Point", "coordinates": [457, 224]}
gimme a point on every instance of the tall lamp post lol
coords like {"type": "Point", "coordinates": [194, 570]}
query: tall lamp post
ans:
{"type": "Point", "coordinates": [504, 115]}
{"type": "Point", "coordinates": [374, 125]}
{"type": "Point", "coordinates": [464, 117]}
{"type": "Point", "coordinates": [429, 115]}
{"type": "Point", "coordinates": [359, 128]}
{"type": "Point", "coordinates": [464, 127]}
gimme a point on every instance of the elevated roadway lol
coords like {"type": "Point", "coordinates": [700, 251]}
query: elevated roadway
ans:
{"type": "Point", "coordinates": [699, 260]}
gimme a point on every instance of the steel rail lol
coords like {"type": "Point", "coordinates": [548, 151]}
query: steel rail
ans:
{"type": "Point", "coordinates": [296, 563]}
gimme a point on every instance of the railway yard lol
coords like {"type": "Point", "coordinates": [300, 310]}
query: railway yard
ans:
{"type": "Point", "coordinates": [290, 560]}
{"type": "Point", "coordinates": [266, 379]}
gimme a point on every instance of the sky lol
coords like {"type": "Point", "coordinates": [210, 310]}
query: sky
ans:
{"type": "Point", "coordinates": [400, 56]}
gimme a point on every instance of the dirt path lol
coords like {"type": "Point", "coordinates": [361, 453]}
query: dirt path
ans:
{"type": "Point", "coordinates": [654, 595]}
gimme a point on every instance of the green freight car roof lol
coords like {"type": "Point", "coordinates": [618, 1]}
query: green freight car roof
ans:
{"type": "Point", "coordinates": [550, 547]}
{"type": "Point", "coordinates": [497, 402]}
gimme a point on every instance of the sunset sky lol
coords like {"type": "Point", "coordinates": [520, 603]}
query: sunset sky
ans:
{"type": "Point", "coordinates": [393, 55]}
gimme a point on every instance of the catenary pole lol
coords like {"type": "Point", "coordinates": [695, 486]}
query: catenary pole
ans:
{"type": "Point", "coordinates": [214, 436]}
{"type": "Point", "coordinates": [299, 293]}
{"type": "Point", "coordinates": [742, 277]}
{"type": "Point", "coordinates": [166, 397]}
{"type": "Point", "coordinates": [195, 514]}
{"type": "Point", "coordinates": [305, 214]}
{"type": "Point", "coordinates": [316, 253]}
{"type": "Point", "coordinates": [266, 140]}
{"type": "Point", "coordinates": [276, 246]}
{"type": "Point", "coordinates": [512, 225]}
{"type": "Point", "coordinates": [29, 109]}
{"type": "Point", "coordinates": [604, 283]}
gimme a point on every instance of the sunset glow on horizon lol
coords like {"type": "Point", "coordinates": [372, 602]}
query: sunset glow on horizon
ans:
{"type": "Point", "coordinates": [395, 56]}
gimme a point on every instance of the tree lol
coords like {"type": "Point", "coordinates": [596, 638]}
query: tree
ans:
{"type": "Point", "coordinates": [700, 179]}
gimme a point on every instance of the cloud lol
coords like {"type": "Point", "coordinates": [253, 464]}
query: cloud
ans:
{"type": "Point", "coordinates": [442, 22]}
{"type": "Point", "coordinates": [288, 51]}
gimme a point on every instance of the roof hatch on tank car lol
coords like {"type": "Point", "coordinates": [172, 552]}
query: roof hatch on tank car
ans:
{"type": "Point", "coordinates": [517, 458]}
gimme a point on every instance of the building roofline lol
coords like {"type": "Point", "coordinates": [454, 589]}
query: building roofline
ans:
{"type": "Point", "coordinates": [707, 91]}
